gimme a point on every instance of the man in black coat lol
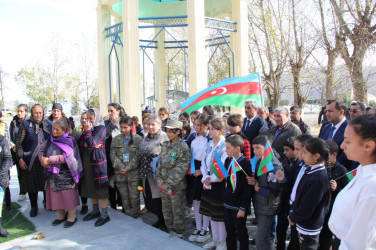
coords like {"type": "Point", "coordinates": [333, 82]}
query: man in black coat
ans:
{"type": "Point", "coordinates": [296, 118]}
{"type": "Point", "coordinates": [253, 124]}
{"type": "Point", "coordinates": [5, 162]}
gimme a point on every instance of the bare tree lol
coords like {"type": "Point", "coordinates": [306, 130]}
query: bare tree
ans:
{"type": "Point", "coordinates": [357, 36]}
{"type": "Point", "coordinates": [304, 43]}
{"type": "Point", "coordinates": [332, 49]}
{"type": "Point", "coordinates": [271, 43]}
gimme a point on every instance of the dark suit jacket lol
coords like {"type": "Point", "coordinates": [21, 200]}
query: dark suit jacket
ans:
{"type": "Point", "coordinates": [258, 126]}
{"type": "Point", "coordinates": [338, 138]}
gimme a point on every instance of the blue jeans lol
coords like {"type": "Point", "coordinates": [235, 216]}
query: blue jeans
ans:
{"type": "Point", "coordinates": [264, 223]}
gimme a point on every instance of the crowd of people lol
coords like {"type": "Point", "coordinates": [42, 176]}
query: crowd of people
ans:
{"type": "Point", "coordinates": [221, 167]}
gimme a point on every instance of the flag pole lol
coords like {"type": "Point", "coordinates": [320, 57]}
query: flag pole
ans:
{"type": "Point", "coordinates": [344, 175]}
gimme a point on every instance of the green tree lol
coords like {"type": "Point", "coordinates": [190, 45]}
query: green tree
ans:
{"type": "Point", "coordinates": [36, 84]}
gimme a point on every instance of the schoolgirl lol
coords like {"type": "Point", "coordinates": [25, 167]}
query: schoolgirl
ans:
{"type": "Point", "coordinates": [211, 197]}
{"type": "Point", "coordinates": [199, 140]}
{"type": "Point", "coordinates": [311, 194]}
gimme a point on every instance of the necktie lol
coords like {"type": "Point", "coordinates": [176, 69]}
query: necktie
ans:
{"type": "Point", "coordinates": [331, 133]}
{"type": "Point", "coordinates": [247, 124]}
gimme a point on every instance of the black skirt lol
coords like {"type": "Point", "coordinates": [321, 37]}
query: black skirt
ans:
{"type": "Point", "coordinates": [34, 180]}
{"type": "Point", "coordinates": [212, 202]}
{"type": "Point", "coordinates": [194, 185]}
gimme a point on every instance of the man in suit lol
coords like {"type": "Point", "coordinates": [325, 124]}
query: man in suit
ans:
{"type": "Point", "coordinates": [253, 124]}
{"type": "Point", "coordinates": [334, 129]}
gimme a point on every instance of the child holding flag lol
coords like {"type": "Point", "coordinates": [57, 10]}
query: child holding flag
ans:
{"type": "Point", "coordinates": [266, 169]}
{"type": "Point", "coordinates": [213, 172]}
{"type": "Point", "coordinates": [237, 194]}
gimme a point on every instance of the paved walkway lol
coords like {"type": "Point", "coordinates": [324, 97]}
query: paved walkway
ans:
{"type": "Point", "coordinates": [122, 232]}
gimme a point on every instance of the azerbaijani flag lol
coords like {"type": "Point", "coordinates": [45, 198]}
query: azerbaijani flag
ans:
{"type": "Point", "coordinates": [229, 92]}
{"type": "Point", "coordinates": [192, 168]}
{"type": "Point", "coordinates": [351, 174]}
{"type": "Point", "coordinates": [234, 168]}
{"type": "Point", "coordinates": [266, 164]}
{"type": "Point", "coordinates": [218, 168]}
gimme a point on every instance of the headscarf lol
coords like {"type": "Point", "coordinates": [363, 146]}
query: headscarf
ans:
{"type": "Point", "coordinates": [57, 106]}
{"type": "Point", "coordinates": [38, 125]}
{"type": "Point", "coordinates": [98, 119]}
{"type": "Point", "coordinates": [68, 146]}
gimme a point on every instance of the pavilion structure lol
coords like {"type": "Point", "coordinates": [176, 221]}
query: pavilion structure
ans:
{"type": "Point", "coordinates": [123, 53]}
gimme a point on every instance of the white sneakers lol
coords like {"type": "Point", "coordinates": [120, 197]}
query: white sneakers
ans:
{"type": "Point", "coordinates": [194, 235]}
{"type": "Point", "coordinates": [21, 197]}
{"type": "Point", "coordinates": [204, 236]}
{"type": "Point", "coordinates": [221, 246]}
{"type": "Point", "coordinates": [211, 244]}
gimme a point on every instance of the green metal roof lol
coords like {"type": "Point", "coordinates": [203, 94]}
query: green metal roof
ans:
{"type": "Point", "coordinates": [156, 8]}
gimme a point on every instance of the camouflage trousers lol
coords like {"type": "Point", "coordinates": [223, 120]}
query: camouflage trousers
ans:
{"type": "Point", "coordinates": [173, 207]}
{"type": "Point", "coordinates": [130, 197]}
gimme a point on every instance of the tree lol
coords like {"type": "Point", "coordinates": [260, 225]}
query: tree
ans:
{"type": "Point", "coordinates": [36, 82]}
{"type": "Point", "coordinates": [266, 19]}
{"type": "Point", "coordinates": [357, 35]}
{"type": "Point", "coordinates": [304, 43]}
{"type": "Point", "coordinates": [332, 48]}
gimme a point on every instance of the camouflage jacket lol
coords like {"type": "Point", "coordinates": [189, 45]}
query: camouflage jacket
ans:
{"type": "Point", "coordinates": [118, 148]}
{"type": "Point", "coordinates": [172, 174]}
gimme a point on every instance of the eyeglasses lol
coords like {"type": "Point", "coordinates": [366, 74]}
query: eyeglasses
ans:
{"type": "Point", "coordinates": [354, 110]}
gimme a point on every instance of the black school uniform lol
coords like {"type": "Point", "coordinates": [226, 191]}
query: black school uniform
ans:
{"type": "Point", "coordinates": [235, 200]}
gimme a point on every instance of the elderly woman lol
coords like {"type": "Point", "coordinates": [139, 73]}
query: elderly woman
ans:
{"type": "Point", "coordinates": [148, 153]}
{"type": "Point", "coordinates": [31, 135]}
{"type": "Point", "coordinates": [13, 130]}
{"type": "Point", "coordinates": [60, 157]}
{"type": "Point", "coordinates": [5, 159]}
{"type": "Point", "coordinates": [95, 184]}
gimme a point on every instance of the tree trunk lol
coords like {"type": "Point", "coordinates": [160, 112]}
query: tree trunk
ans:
{"type": "Point", "coordinates": [359, 86]}
{"type": "Point", "coordinates": [329, 72]}
{"type": "Point", "coordinates": [298, 98]}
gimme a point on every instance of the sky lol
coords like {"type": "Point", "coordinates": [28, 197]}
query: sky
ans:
{"type": "Point", "coordinates": [27, 26]}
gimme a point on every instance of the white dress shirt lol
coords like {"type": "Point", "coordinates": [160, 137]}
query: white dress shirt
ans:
{"type": "Point", "coordinates": [337, 126]}
{"type": "Point", "coordinates": [353, 218]}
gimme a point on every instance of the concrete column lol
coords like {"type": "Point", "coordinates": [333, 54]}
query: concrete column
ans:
{"type": "Point", "coordinates": [239, 41]}
{"type": "Point", "coordinates": [197, 61]}
{"type": "Point", "coordinates": [104, 45]}
{"type": "Point", "coordinates": [131, 96]}
{"type": "Point", "coordinates": [160, 71]}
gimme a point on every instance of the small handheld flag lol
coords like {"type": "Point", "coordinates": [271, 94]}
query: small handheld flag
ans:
{"type": "Point", "coordinates": [218, 168]}
{"type": "Point", "coordinates": [141, 189]}
{"type": "Point", "coordinates": [266, 164]}
{"type": "Point", "coordinates": [349, 175]}
{"type": "Point", "coordinates": [192, 168]}
{"type": "Point", "coordinates": [234, 168]}
{"type": "Point", "coordinates": [253, 165]}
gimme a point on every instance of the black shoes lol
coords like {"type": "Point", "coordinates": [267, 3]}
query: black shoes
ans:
{"type": "Point", "coordinates": [158, 224]}
{"type": "Point", "coordinates": [4, 233]}
{"type": "Point", "coordinates": [101, 221]}
{"type": "Point", "coordinates": [58, 222]}
{"type": "Point", "coordinates": [68, 224]}
{"type": "Point", "coordinates": [84, 209]}
{"type": "Point", "coordinates": [92, 216]}
{"type": "Point", "coordinates": [33, 211]}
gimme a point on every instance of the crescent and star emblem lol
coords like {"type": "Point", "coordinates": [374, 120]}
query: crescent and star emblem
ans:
{"type": "Point", "coordinates": [224, 90]}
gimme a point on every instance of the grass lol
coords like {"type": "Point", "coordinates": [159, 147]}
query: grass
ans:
{"type": "Point", "coordinates": [15, 223]}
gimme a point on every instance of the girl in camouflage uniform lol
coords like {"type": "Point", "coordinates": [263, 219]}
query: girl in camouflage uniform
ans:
{"type": "Point", "coordinates": [170, 176]}
{"type": "Point", "coordinates": [124, 149]}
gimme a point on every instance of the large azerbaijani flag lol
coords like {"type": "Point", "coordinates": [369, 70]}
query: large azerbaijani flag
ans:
{"type": "Point", "coordinates": [229, 92]}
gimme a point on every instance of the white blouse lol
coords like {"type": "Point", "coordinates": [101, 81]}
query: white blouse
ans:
{"type": "Point", "coordinates": [206, 164]}
{"type": "Point", "coordinates": [353, 218]}
{"type": "Point", "coordinates": [198, 147]}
